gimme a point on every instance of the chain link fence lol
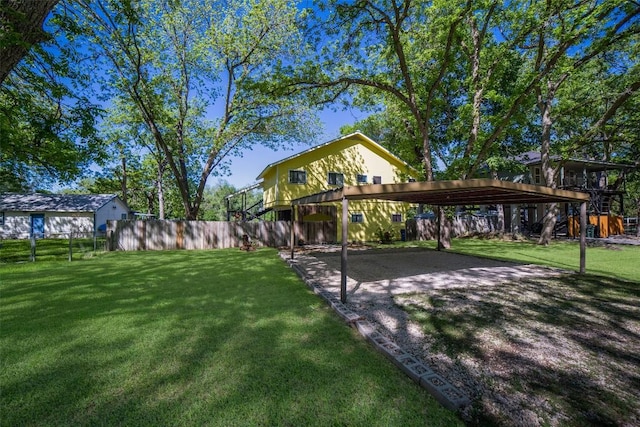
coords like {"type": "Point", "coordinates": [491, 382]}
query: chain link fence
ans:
{"type": "Point", "coordinates": [56, 247]}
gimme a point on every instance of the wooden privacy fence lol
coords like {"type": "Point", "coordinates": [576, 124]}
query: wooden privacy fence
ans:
{"type": "Point", "coordinates": [427, 229]}
{"type": "Point", "coordinates": [128, 235]}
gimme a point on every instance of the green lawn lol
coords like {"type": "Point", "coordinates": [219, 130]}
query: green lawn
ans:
{"type": "Point", "coordinates": [622, 261]}
{"type": "Point", "coordinates": [188, 338]}
{"type": "Point", "coordinates": [19, 250]}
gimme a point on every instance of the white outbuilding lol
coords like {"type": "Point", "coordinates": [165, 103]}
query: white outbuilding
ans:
{"type": "Point", "coordinates": [58, 215]}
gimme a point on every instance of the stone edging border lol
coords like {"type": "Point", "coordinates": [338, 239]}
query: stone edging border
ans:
{"type": "Point", "coordinates": [443, 391]}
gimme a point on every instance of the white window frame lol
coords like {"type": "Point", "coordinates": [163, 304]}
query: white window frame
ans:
{"type": "Point", "coordinates": [361, 178]}
{"type": "Point", "coordinates": [377, 178]}
{"type": "Point", "coordinates": [396, 217]}
{"type": "Point", "coordinates": [298, 173]}
{"type": "Point", "coordinates": [357, 218]}
{"type": "Point", "coordinates": [335, 181]}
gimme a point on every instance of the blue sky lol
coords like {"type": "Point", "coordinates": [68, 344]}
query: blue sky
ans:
{"type": "Point", "coordinates": [246, 169]}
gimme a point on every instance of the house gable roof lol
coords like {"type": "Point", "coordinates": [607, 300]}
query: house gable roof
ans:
{"type": "Point", "coordinates": [363, 138]}
{"type": "Point", "coordinates": [532, 158]}
{"type": "Point", "coordinates": [38, 202]}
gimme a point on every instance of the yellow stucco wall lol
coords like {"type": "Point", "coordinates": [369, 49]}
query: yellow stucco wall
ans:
{"type": "Point", "coordinates": [351, 156]}
{"type": "Point", "coordinates": [376, 215]}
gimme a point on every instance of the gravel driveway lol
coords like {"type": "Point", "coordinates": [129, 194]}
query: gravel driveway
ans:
{"type": "Point", "coordinates": [378, 278]}
{"type": "Point", "coordinates": [378, 275]}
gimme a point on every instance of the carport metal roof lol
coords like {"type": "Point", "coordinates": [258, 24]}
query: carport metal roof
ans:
{"type": "Point", "coordinates": [446, 193]}
{"type": "Point", "coordinates": [449, 193]}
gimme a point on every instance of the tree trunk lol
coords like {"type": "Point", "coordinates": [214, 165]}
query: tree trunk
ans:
{"type": "Point", "coordinates": [151, 197]}
{"type": "Point", "coordinates": [161, 212]}
{"type": "Point", "coordinates": [638, 219]}
{"type": "Point", "coordinates": [478, 89]}
{"type": "Point", "coordinates": [548, 224]}
{"type": "Point", "coordinates": [547, 171]}
{"type": "Point", "coordinates": [499, 209]}
{"type": "Point", "coordinates": [445, 229]}
{"type": "Point", "coordinates": [160, 189]}
{"type": "Point", "coordinates": [20, 28]}
{"type": "Point", "coordinates": [123, 183]}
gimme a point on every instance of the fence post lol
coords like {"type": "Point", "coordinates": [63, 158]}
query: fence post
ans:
{"type": "Point", "coordinates": [70, 246]}
{"type": "Point", "coordinates": [33, 247]}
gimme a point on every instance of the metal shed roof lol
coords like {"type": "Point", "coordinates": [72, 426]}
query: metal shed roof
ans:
{"type": "Point", "coordinates": [39, 202]}
{"type": "Point", "coordinates": [449, 193]}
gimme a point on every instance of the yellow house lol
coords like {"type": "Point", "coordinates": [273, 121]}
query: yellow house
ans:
{"type": "Point", "coordinates": [354, 159]}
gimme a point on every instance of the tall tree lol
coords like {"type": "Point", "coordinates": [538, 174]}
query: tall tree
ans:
{"type": "Point", "coordinates": [179, 63]}
{"type": "Point", "coordinates": [393, 51]}
{"type": "Point", "coordinates": [21, 28]}
{"type": "Point", "coordinates": [570, 38]}
{"type": "Point", "coordinates": [463, 75]}
{"type": "Point", "coordinates": [131, 145]}
{"type": "Point", "coordinates": [47, 115]}
{"type": "Point", "coordinates": [436, 64]}
{"type": "Point", "coordinates": [449, 69]}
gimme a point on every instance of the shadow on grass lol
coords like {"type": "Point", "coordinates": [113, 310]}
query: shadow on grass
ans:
{"type": "Point", "coordinates": [558, 350]}
{"type": "Point", "coordinates": [619, 261]}
{"type": "Point", "coordinates": [210, 337]}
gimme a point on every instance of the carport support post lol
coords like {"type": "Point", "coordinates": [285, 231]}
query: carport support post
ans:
{"type": "Point", "coordinates": [438, 225]}
{"type": "Point", "coordinates": [343, 257]}
{"type": "Point", "coordinates": [583, 236]}
{"type": "Point", "coordinates": [292, 233]}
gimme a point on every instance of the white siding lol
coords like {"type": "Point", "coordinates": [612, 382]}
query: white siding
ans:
{"type": "Point", "coordinates": [16, 225]}
{"type": "Point", "coordinates": [108, 212]}
{"type": "Point", "coordinates": [60, 224]}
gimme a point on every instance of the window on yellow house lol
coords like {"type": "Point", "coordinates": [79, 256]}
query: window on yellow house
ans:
{"type": "Point", "coordinates": [336, 178]}
{"type": "Point", "coordinates": [377, 180]}
{"type": "Point", "coordinates": [297, 177]}
{"type": "Point", "coordinates": [396, 218]}
{"type": "Point", "coordinates": [357, 217]}
{"type": "Point", "coordinates": [361, 179]}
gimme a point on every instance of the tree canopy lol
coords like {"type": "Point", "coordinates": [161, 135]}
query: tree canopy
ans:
{"type": "Point", "coordinates": [48, 119]}
{"type": "Point", "coordinates": [188, 74]}
{"type": "Point", "coordinates": [457, 88]}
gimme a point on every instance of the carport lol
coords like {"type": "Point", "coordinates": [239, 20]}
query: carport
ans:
{"type": "Point", "coordinates": [444, 193]}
